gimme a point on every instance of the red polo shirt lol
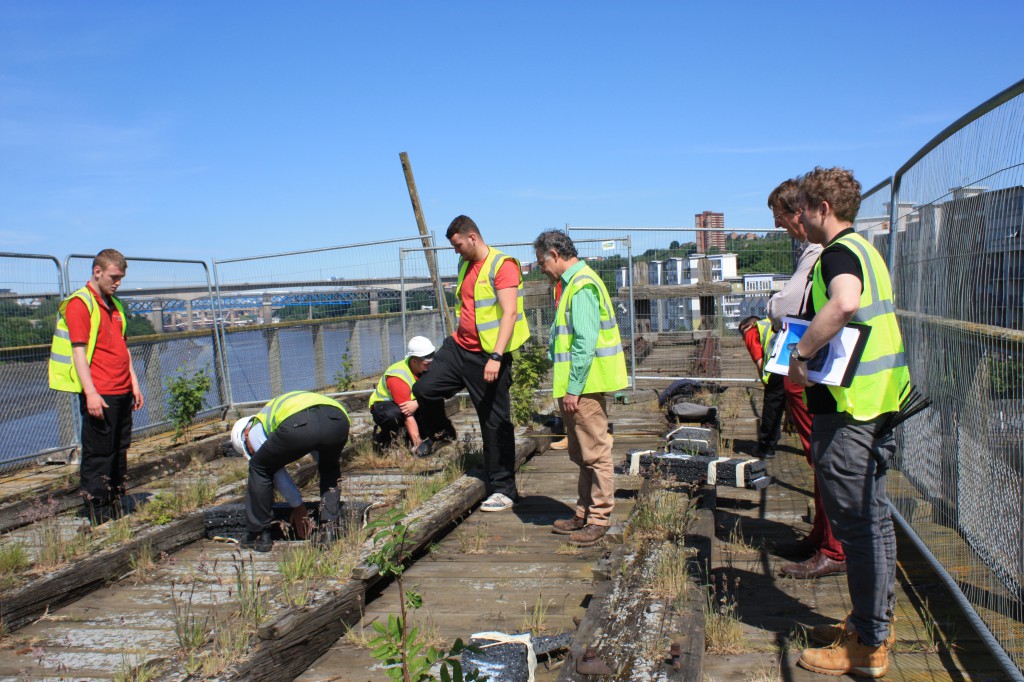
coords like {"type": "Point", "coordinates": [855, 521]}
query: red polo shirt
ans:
{"type": "Point", "coordinates": [110, 360]}
{"type": "Point", "coordinates": [507, 277]}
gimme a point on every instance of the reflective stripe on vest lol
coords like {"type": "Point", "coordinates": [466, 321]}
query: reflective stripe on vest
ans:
{"type": "Point", "coordinates": [882, 376]}
{"type": "Point", "coordinates": [282, 407]}
{"type": "Point", "coordinates": [61, 368]}
{"type": "Point", "coordinates": [608, 368]}
{"type": "Point", "coordinates": [765, 334]}
{"type": "Point", "coordinates": [399, 369]}
{"type": "Point", "coordinates": [485, 303]}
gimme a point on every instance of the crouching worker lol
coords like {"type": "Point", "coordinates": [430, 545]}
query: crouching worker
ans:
{"type": "Point", "coordinates": [282, 432]}
{"type": "Point", "coordinates": [394, 407]}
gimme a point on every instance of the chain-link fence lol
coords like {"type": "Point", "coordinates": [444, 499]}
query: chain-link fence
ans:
{"type": "Point", "coordinates": [322, 319]}
{"type": "Point", "coordinates": [35, 421]}
{"type": "Point", "coordinates": [958, 275]}
{"type": "Point", "coordinates": [171, 330]}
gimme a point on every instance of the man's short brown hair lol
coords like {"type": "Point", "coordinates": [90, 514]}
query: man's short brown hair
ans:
{"type": "Point", "coordinates": [461, 225]}
{"type": "Point", "coordinates": [837, 186]}
{"type": "Point", "coordinates": [110, 257]}
{"type": "Point", "coordinates": [786, 196]}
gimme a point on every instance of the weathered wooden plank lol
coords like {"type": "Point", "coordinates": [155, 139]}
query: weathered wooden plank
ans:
{"type": "Point", "coordinates": [21, 605]}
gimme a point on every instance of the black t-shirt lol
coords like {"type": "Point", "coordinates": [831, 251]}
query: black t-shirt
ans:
{"type": "Point", "coordinates": [836, 259]}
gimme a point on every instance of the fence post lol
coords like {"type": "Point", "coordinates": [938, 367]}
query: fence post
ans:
{"type": "Point", "coordinates": [274, 362]}
{"type": "Point", "coordinates": [632, 313]}
{"type": "Point", "coordinates": [154, 372]}
{"type": "Point", "coordinates": [354, 350]}
{"type": "Point", "coordinates": [385, 344]}
{"type": "Point", "coordinates": [319, 357]}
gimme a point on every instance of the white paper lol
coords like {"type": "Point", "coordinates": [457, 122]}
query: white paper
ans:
{"type": "Point", "coordinates": [830, 363]}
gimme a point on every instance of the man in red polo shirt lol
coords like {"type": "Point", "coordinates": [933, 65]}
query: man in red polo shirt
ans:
{"type": "Point", "coordinates": [93, 323]}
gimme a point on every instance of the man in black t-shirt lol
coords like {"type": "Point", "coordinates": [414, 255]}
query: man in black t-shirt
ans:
{"type": "Point", "coordinates": [851, 283]}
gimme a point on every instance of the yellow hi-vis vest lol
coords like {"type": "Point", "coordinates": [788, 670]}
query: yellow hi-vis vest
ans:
{"type": "Point", "coordinates": [765, 334]}
{"type": "Point", "coordinates": [485, 303]}
{"type": "Point", "coordinates": [608, 369]}
{"type": "Point", "coordinates": [61, 369]}
{"type": "Point", "coordinates": [282, 407]}
{"type": "Point", "coordinates": [882, 378]}
{"type": "Point", "coordinates": [401, 370]}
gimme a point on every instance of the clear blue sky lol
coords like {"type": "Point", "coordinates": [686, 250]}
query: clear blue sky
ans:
{"type": "Point", "coordinates": [222, 129]}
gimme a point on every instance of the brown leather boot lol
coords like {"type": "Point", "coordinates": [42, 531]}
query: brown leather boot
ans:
{"type": "Point", "coordinates": [848, 656]}
{"type": "Point", "coordinates": [818, 566]}
{"type": "Point", "coordinates": [588, 535]}
{"type": "Point", "coordinates": [830, 634]}
{"type": "Point", "coordinates": [568, 526]}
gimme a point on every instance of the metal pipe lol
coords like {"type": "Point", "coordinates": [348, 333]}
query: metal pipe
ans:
{"type": "Point", "coordinates": [320, 250]}
{"type": "Point", "coordinates": [1009, 667]}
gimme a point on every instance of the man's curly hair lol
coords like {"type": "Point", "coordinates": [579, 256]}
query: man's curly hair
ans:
{"type": "Point", "coordinates": [837, 186]}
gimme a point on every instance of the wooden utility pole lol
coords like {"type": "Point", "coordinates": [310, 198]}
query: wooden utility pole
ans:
{"type": "Point", "coordinates": [421, 223]}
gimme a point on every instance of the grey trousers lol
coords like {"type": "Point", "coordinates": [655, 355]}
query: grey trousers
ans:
{"type": "Point", "coordinates": [851, 465]}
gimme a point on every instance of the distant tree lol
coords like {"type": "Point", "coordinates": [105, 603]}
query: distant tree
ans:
{"type": "Point", "coordinates": [139, 325]}
{"type": "Point", "coordinates": [674, 246]}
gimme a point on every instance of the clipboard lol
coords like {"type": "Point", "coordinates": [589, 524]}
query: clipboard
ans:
{"type": "Point", "coordinates": [834, 365]}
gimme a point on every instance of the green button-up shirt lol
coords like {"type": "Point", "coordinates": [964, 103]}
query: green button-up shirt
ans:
{"type": "Point", "coordinates": [586, 324]}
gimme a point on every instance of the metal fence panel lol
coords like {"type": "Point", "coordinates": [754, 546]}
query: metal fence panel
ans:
{"type": "Point", "coordinates": [311, 320]}
{"type": "Point", "coordinates": [958, 275]}
{"type": "Point", "coordinates": [171, 329]}
{"type": "Point", "coordinates": [746, 265]}
{"type": "Point", "coordinates": [35, 420]}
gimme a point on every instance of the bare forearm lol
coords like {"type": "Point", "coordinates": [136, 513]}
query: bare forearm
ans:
{"type": "Point", "coordinates": [414, 430]}
{"type": "Point", "coordinates": [83, 370]}
{"type": "Point", "coordinates": [825, 325]}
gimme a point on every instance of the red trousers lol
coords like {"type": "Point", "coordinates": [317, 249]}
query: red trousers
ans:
{"type": "Point", "coordinates": [821, 532]}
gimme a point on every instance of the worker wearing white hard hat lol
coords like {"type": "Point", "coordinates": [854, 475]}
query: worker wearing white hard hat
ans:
{"type": "Point", "coordinates": [287, 428]}
{"type": "Point", "coordinates": [395, 408]}
{"type": "Point", "coordinates": [242, 442]}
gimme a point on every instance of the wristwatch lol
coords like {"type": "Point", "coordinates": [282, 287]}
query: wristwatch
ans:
{"type": "Point", "coordinates": [496, 357]}
{"type": "Point", "coordinates": [795, 354]}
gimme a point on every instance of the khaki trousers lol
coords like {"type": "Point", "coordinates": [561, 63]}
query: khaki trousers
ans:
{"type": "Point", "coordinates": [590, 448]}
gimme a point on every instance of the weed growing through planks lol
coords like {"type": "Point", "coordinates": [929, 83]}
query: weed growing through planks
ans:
{"type": "Point", "coordinates": [536, 620]}
{"type": "Point", "coordinates": [298, 565]}
{"type": "Point", "coordinates": [660, 515]}
{"type": "Point", "coordinates": [14, 559]}
{"type": "Point", "coordinates": [473, 540]}
{"type": "Point", "coordinates": [345, 378]}
{"type": "Point", "coordinates": [195, 492]}
{"type": "Point", "coordinates": [723, 631]}
{"type": "Point", "coordinates": [671, 578]}
{"type": "Point", "coordinates": [736, 541]}
{"type": "Point", "coordinates": [398, 646]}
{"type": "Point", "coordinates": [230, 643]}
{"type": "Point", "coordinates": [143, 563]}
{"type": "Point", "coordinates": [569, 550]}
{"type": "Point", "coordinates": [770, 672]}
{"type": "Point", "coordinates": [54, 548]}
{"type": "Point", "coordinates": [189, 628]}
{"type": "Point", "coordinates": [529, 368]}
{"type": "Point", "coordinates": [186, 397]}
{"type": "Point", "coordinates": [120, 531]}
{"type": "Point", "coordinates": [134, 668]}
{"type": "Point", "coordinates": [358, 638]}
{"type": "Point", "coordinates": [252, 600]}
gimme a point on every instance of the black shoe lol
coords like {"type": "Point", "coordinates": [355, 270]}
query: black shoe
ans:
{"type": "Point", "coordinates": [764, 454]}
{"type": "Point", "coordinates": [425, 448]}
{"type": "Point", "coordinates": [258, 542]}
{"type": "Point", "coordinates": [326, 535]}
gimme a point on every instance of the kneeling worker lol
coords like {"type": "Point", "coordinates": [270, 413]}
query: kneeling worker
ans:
{"type": "Point", "coordinates": [588, 362]}
{"type": "Point", "coordinates": [282, 432]}
{"type": "Point", "coordinates": [394, 406]}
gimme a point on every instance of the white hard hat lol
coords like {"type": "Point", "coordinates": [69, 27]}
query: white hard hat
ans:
{"type": "Point", "coordinates": [236, 436]}
{"type": "Point", "coordinates": [419, 347]}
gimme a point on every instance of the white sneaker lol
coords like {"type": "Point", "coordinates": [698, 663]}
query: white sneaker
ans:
{"type": "Point", "coordinates": [496, 502]}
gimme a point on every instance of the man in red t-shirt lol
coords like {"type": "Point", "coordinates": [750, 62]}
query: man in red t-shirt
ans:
{"type": "Point", "coordinates": [476, 357]}
{"type": "Point", "coordinates": [110, 391]}
{"type": "Point", "coordinates": [773, 406]}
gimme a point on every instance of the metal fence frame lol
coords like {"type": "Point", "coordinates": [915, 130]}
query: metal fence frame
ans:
{"type": "Point", "coordinates": [1013, 609]}
{"type": "Point", "coordinates": [221, 386]}
{"type": "Point", "coordinates": [67, 405]}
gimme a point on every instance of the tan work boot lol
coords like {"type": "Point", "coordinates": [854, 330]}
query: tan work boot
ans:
{"type": "Point", "coordinates": [848, 656]}
{"type": "Point", "coordinates": [830, 634]}
{"type": "Point", "coordinates": [588, 535]}
{"type": "Point", "coordinates": [567, 526]}
{"type": "Point", "coordinates": [561, 444]}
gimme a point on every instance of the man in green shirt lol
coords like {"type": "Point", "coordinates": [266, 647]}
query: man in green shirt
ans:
{"type": "Point", "coordinates": [588, 361]}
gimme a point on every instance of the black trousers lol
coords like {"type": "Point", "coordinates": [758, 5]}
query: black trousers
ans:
{"type": "Point", "coordinates": [772, 410]}
{"type": "Point", "coordinates": [105, 450]}
{"type": "Point", "coordinates": [321, 429]}
{"type": "Point", "coordinates": [455, 368]}
{"type": "Point", "coordinates": [430, 418]}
